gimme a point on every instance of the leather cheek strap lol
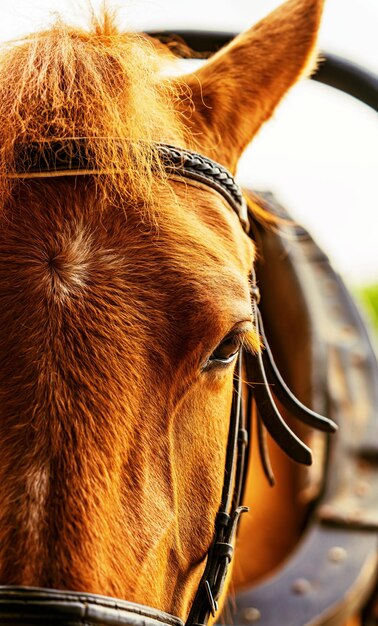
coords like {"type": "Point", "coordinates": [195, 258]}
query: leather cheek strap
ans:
{"type": "Point", "coordinates": [221, 551]}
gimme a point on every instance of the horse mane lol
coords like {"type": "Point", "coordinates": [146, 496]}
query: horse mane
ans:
{"type": "Point", "coordinates": [99, 84]}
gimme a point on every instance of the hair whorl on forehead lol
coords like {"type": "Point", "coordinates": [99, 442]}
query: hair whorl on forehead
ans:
{"type": "Point", "coordinates": [101, 85]}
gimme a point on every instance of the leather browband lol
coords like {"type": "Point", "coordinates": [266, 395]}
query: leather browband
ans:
{"type": "Point", "coordinates": [72, 158]}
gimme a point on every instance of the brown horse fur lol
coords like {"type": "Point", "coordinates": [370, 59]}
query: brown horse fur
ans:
{"type": "Point", "coordinates": [115, 289]}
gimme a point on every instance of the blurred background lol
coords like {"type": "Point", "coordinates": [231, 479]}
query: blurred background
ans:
{"type": "Point", "coordinates": [319, 153]}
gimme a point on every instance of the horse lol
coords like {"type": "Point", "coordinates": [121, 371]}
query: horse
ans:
{"type": "Point", "coordinates": [128, 300]}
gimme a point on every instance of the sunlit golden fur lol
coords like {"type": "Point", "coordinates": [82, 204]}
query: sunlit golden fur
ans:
{"type": "Point", "coordinates": [100, 85]}
{"type": "Point", "coordinates": [96, 423]}
{"type": "Point", "coordinates": [115, 289]}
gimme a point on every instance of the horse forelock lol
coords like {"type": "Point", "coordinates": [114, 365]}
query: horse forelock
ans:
{"type": "Point", "coordinates": [102, 85]}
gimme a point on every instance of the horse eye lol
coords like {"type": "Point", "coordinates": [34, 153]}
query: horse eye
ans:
{"type": "Point", "coordinates": [226, 351]}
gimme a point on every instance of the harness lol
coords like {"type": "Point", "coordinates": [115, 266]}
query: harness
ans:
{"type": "Point", "coordinates": [29, 606]}
{"type": "Point", "coordinates": [333, 572]}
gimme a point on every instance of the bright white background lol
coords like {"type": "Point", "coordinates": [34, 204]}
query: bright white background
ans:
{"type": "Point", "coordinates": [319, 154]}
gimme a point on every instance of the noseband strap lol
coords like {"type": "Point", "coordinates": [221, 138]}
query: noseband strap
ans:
{"type": "Point", "coordinates": [72, 159]}
{"type": "Point", "coordinates": [29, 606]}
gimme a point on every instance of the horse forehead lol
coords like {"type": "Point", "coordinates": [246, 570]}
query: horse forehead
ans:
{"type": "Point", "coordinates": [204, 225]}
{"type": "Point", "coordinates": [201, 258]}
{"type": "Point", "coordinates": [194, 256]}
{"type": "Point", "coordinates": [206, 278]}
{"type": "Point", "coordinates": [204, 214]}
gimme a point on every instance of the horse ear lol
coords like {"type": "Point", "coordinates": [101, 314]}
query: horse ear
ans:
{"type": "Point", "coordinates": [237, 90]}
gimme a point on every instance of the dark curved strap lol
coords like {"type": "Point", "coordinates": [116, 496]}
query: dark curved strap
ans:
{"type": "Point", "coordinates": [257, 367]}
{"type": "Point", "coordinates": [329, 577]}
{"type": "Point", "coordinates": [283, 393]}
{"type": "Point", "coordinates": [264, 451]}
{"type": "Point", "coordinates": [31, 606]}
{"type": "Point", "coordinates": [335, 71]}
{"type": "Point", "coordinates": [272, 418]}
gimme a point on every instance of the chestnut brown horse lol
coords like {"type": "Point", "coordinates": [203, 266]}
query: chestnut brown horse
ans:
{"type": "Point", "coordinates": [125, 299]}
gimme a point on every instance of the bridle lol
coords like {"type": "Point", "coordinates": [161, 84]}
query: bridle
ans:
{"type": "Point", "coordinates": [26, 605]}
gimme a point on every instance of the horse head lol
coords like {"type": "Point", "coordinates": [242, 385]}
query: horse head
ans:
{"type": "Point", "coordinates": [126, 298]}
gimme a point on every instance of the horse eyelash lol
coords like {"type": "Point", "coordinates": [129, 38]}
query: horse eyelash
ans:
{"type": "Point", "coordinates": [252, 342]}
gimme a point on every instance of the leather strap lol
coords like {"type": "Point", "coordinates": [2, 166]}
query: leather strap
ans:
{"type": "Point", "coordinates": [221, 551]}
{"type": "Point", "coordinates": [30, 606]}
{"type": "Point", "coordinates": [73, 158]}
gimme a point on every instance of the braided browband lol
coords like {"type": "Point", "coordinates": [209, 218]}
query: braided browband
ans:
{"type": "Point", "coordinates": [72, 158]}
{"type": "Point", "coordinates": [198, 167]}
